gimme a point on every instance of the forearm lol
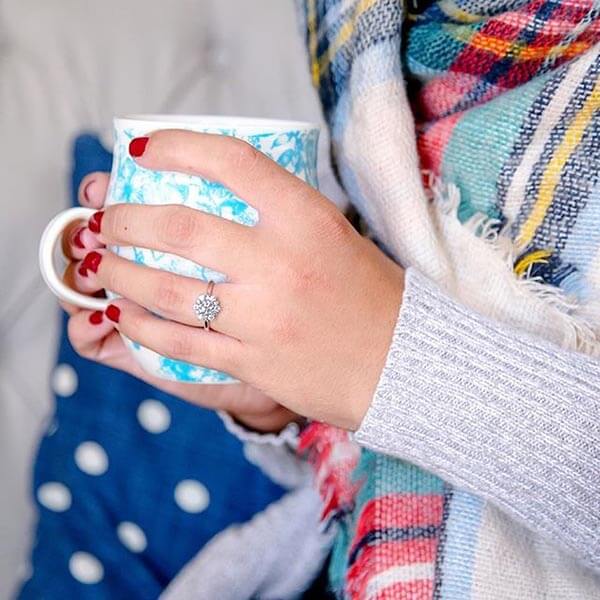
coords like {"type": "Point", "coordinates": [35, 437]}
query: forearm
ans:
{"type": "Point", "coordinates": [504, 415]}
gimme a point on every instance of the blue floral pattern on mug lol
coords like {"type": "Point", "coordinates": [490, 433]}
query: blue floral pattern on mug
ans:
{"type": "Point", "coordinates": [294, 149]}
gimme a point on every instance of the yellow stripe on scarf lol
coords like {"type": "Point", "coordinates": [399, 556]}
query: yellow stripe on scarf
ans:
{"type": "Point", "coordinates": [551, 176]}
{"type": "Point", "coordinates": [345, 33]}
{"type": "Point", "coordinates": [311, 23]}
{"type": "Point", "coordinates": [533, 258]}
{"type": "Point", "coordinates": [450, 8]}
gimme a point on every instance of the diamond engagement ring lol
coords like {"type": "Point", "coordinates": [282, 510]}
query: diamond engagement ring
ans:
{"type": "Point", "coordinates": [207, 306]}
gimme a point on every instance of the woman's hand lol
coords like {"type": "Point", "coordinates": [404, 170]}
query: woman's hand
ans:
{"type": "Point", "coordinates": [310, 306]}
{"type": "Point", "coordinates": [95, 338]}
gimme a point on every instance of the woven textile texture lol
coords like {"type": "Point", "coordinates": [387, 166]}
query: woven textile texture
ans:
{"type": "Point", "coordinates": [466, 134]}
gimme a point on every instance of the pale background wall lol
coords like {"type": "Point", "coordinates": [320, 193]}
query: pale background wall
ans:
{"type": "Point", "coordinates": [67, 65]}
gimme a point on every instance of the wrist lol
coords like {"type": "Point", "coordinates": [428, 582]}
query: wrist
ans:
{"type": "Point", "coordinates": [376, 354]}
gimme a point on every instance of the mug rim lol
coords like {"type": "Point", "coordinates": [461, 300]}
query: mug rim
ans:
{"type": "Point", "coordinates": [240, 124]}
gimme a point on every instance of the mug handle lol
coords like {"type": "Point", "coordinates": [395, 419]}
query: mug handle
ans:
{"type": "Point", "coordinates": [50, 237]}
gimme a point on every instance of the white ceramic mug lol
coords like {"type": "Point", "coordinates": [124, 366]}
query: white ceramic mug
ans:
{"type": "Point", "coordinates": [292, 144]}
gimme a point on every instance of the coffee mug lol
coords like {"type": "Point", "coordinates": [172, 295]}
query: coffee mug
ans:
{"type": "Point", "coordinates": [291, 144]}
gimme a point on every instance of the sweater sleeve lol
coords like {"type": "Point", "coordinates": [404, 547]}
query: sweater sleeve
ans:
{"type": "Point", "coordinates": [273, 453]}
{"type": "Point", "coordinates": [506, 416]}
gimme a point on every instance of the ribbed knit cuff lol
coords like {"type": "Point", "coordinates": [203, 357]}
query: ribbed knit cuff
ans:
{"type": "Point", "coordinates": [493, 411]}
{"type": "Point", "coordinates": [274, 453]}
{"type": "Point", "coordinates": [287, 436]}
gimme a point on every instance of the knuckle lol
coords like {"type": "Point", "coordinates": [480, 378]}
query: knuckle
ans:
{"type": "Point", "coordinates": [243, 156]}
{"type": "Point", "coordinates": [168, 297]}
{"type": "Point", "coordinates": [178, 227]}
{"type": "Point", "coordinates": [332, 225]}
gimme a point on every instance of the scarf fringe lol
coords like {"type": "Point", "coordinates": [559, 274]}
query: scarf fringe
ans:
{"type": "Point", "coordinates": [574, 317]}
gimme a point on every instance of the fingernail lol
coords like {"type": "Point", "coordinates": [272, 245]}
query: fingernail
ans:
{"type": "Point", "coordinates": [95, 223]}
{"type": "Point", "coordinates": [86, 189]}
{"type": "Point", "coordinates": [91, 262]}
{"type": "Point", "coordinates": [113, 313]}
{"type": "Point", "coordinates": [96, 317]}
{"type": "Point", "coordinates": [137, 146]}
{"type": "Point", "coordinates": [77, 238]}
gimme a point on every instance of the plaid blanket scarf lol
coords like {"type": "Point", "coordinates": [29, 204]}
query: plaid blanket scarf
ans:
{"type": "Point", "coordinates": [466, 133]}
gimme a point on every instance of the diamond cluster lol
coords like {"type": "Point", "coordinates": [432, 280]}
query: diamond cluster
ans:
{"type": "Point", "coordinates": [207, 307]}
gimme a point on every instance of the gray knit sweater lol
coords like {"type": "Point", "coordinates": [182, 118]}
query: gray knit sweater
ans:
{"type": "Point", "coordinates": [508, 417]}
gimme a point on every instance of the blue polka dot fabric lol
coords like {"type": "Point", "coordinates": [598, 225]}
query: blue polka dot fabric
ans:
{"type": "Point", "coordinates": [129, 482]}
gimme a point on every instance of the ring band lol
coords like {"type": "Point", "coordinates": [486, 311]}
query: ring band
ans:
{"type": "Point", "coordinates": [207, 306]}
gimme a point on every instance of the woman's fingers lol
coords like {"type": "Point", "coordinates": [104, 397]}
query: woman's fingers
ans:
{"type": "Point", "coordinates": [74, 278]}
{"type": "Point", "coordinates": [89, 332]}
{"type": "Point", "coordinates": [92, 190]}
{"type": "Point", "coordinates": [166, 294]}
{"type": "Point", "coordinates": [243, 169]}
{"type": "Point", "coordinates": [93, 335]}
{"type": "Point", "coordinates": [189, 344]}
{"type": "Point", "coordinates": [77, 238]}
{"type": "Point", "coordinates": [202, 238]}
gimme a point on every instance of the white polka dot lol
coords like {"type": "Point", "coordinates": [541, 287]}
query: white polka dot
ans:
{"type": "Point", "coordinates": [91, 458]}
{"type": "Point", "coordinates": [86, 568]}
{"type": "Point", "coordinates": [64, 380]}
{"type": "Point", "coordinates": [191, 496]}
{"type": "Point", "coordinates": [132, 536]}
{"type": "Point", "coordinates": [154, 416]}
{"type": "Point", "coordinates": [54, 496]}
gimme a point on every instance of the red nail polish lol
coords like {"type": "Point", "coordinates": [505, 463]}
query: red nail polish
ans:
{"type": "Point", "coordinates": [77, 238]}
{"type": "Point", "coordinates": [96, 317]}
{"type": "Point", "coordinates": [137, 146]}
{"type": "Point", "coordinates": [95, 223]}
{"type": "Point", "coordinates": [113, 313]}
{"type": "Point", "coordinates": [91, 262]}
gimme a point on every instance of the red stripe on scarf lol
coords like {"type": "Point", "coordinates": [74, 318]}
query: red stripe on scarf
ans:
{"type": "Point", "coordinates": [377, 559]}
{"type": "Point", "coordinates": [421, 589]}
{"type": "Point", "coordinates": [400, 510]}
{"type": "Point", "coordinates": [433, 141]}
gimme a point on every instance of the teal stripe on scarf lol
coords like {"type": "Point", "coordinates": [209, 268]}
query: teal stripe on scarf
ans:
{"type": "Point", "coordinates": [474, 156]}
{"type": "Point", "coordinates": [432, 48]}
